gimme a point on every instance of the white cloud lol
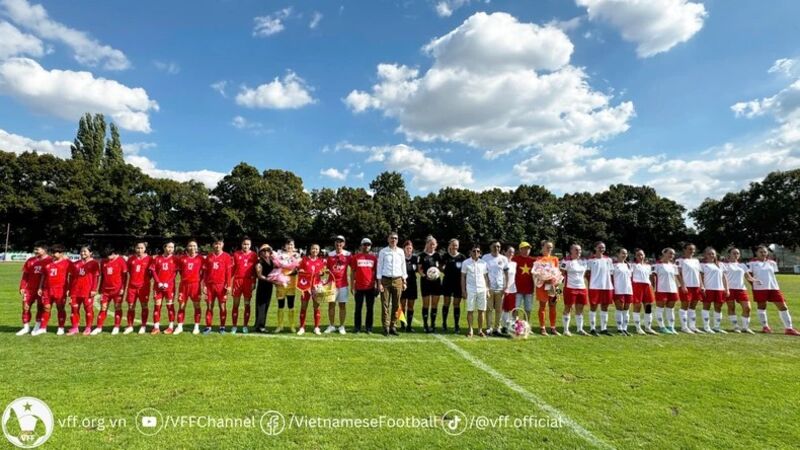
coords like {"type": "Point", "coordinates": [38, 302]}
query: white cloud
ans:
{"type": "Point", "coordinates": [14, 42]}
{"type": "Point", "coordinates": [87, 50]}
{"type": "Point", "coordinates": [445, 8]}
{"type": "Point", "coordinates": [654, 25]}
{"type": "Point", "coordinates": [786, 66]}
{"type": "Point", "coordinates": [567, 25]}
{"type": "Point", "coordinates": [426, 173]}
{"type": "Point", "coordinates": [291, 92]}
{"type": "Point", "coordinates": [499, 85]}
{"type": "Point", "coordinates": [335, 173]}
{"type": "Point", "coordinates": [209, 178]}
{"type": "Point", "coordinates": [242, 123]}
{"type": "Point", "coordinates": [69, 94]}
{"type": "Point", "coordinates": [219, 86]}
{"type": "Point", "coordinates": [133, 148]}
{"type": "Point", "coordinates": [316, 17]}
{"type": "Point", "coordinates": [271, 23]}
{"type": "Point", "coordinates": [15, 143]}
{"type": "Point", "coordinates": [169, 67]}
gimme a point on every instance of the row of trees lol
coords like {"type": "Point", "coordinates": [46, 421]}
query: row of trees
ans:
{"type": "Point", "coordinates": [96, 193]}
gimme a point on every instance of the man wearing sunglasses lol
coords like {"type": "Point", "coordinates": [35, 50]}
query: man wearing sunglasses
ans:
{"type": "Point", "coordinates": [362, 284]}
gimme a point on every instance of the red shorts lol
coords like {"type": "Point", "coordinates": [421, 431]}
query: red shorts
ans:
{"type": "Point", "coordinates": [738, 295]}
{"type": "Point", "coordinates": [666, 297]}
{"type": "Point", "coordinates": [216, 292]}
{"type": "Point", "coordinates": [30, 296]}
{"type": "Point", "coordinates": [601, 296]}
{"type": "Point", "coordinates": [768, 295]}
{"type": "Point", "coordinates": [642, 293]}
{"type": "Point", "coordinates": [509, 302]}
{"type": "Point", "coordinates": [167, 293]}
{"type": "Point", "coordinates": [115, 296]}
{"type": "Point", "coordinates": [624, 298]}
{"type": "Point", "coordinates": [189, 290]}
{"type": "Point", "coordinates": [575, 296]}
{"type": "Point", "coordinates": [140, 293]}
{"type": "Point", "coordinates": [54, 295]}
{"type": "Point", "coordinates": [693, 294]}
{"type": "Point", "coordinates": [76, 300]}
{"type": "Point", "coordinates": [243, 287]}
{"type": "Point", "coordinates": [716, 297]}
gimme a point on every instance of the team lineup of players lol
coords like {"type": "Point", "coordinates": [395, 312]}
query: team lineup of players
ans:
{"type": "Point", "coordinates": [497, 286]}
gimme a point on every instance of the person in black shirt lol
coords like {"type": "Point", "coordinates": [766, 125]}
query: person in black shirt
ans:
{"type": "Point", "coordinates": [451, 285]}
{"type": "Point", "coordinates": [264, 289]}
{"type": "Point", "coordinates": [431, 289]}
{"type": "Point", "coordinates": [409, 296]}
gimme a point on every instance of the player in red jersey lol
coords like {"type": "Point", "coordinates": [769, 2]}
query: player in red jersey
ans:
{"type": "Point", "coordinates": [337, 264]}
{"type": "Point", "coordinates": [244, 279]}
{"type": "Point", "coordinates": [138, 286]}
{"type": "Point", "coordinates": [308, 275]}
{"type": "Point", "coordinates": [29, 286]}
{"type": "Point", "coordinates": [217, 269]}
{"type": "Point", "coordinates": [190, 267]}
{"type": "Point", "coordinates": [112, 284]}
{"type": "Point", "coordinates": [163, 270]}
{"type": "Point", "coordinates": [84, 276]}
{"type": "Point", "coordinates": [53, 289]}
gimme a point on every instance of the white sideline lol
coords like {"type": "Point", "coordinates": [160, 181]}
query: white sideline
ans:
{"type": "Point", "coordinates": [538, 402]}
{"type": "Point", "coordinates": [372, 340]}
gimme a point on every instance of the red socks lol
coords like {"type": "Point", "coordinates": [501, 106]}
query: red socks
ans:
{"type": "Point", "coordinates": [552, 311]}
{"type": "Point", "coordinates": [170, 312]}
{"type": "Point", "coordinates": [246, 313]}
{"type": "Point", "coordinates": [131, 314]}
{"type": "Point", "coordinates": [541, 316]}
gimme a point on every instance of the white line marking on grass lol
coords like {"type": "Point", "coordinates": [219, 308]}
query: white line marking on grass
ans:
{"type": "Point", "coordinates": [533, 398]}
{"type": "Point", "coordinates": [371, 340]}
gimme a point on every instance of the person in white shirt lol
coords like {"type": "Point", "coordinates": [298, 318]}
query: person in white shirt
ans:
{"type": "Point", "coordinates": [497, 264]}
{"type": "Point", "coordinates": [691, 293]}
{"type": "Point", "coordinates": [575, 294]}
{"type": "Point", "coordinates": [601, 288]}
{"type": "Point", "coordinates": [736, 273]}
{"type": "Point", "coordinates": [510, 295]}
{"type": "Point", "coordinates": [622, 277]}
{"type": "Point", "coordinates": [391, 282]}
{"type": "Point", "coordinates": [475, 283]}
{"type": "Point", "coordinates": [641, 277]}
{"type": "Point", "coordinates": [766, 289]}
{"type": "Point", "coordinates": [712, 276]}
{"type": "Point", "coordinates": [667, 281]}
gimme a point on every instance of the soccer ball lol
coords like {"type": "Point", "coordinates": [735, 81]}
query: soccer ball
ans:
{"type": "Point", "coordinates": [433, 273]}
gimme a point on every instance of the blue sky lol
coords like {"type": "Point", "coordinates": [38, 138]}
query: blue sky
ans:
{"type": "Point", "coordinates": [695, 98]}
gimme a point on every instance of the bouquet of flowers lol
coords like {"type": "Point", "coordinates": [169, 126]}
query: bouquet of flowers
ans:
{"type": "Point", "coordinates": [548, 276]}
{"type": "Point", "coordinates": [519, 326]}
{"type": "Point", "coordinates": [282, 269]}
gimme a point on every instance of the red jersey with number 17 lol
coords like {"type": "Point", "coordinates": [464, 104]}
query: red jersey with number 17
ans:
{"type": "Point", "coordinates": [113, 270]}
{"type": "Point", "coordinates": [164, 269]}
{"type": "Point", "coordinates": [32, 272]}
{"type": "Point", "coordinates": [139, 269]}
{"type": "Point", "coordinates": [244, 264]}
{"type": "Point", "coordinates": [83, 277]}
{"type": "Point", "coordinates": [190, 268]}
{"type": "Point", "coordinates": [218, 268]}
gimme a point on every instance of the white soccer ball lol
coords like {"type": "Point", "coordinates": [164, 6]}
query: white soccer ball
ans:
{"type": "Point", "coordinates": [433, 273]}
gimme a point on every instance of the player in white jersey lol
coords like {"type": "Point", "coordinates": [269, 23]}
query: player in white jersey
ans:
{"type": "Point", "coordinates": [712, 274]}
{"type": "Point", "coordinates": [642, 277]}
{"type": "Point", "coordinates": [623, 290]}
{"type": "Point", "coordinates": [601, 288]}
{"type": "Point", "coordinates": [691, 293]}
{"type": "Point", "coordinates": [736, 273]}
{"type": "Point", "coordinates": [668, 282]}
{"type": "Point", "coordinates": [510, 295]}
{"type": "Point", "coordinates": [766, 289]}
{"type": "Point", "coordinates": [575, 294]}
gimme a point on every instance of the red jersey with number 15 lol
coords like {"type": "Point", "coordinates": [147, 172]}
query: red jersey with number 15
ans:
{"type": "Point", "coordinates": [83, 277]}
{"type": "Point", "coordinates": [190, 268]}
{"type": "Point", "coordinates": [139, 269]}
{"type": "Point", "coordinates": [218, 268]}
{"type": "Point", "coordinates": [113, 270]}
{"type": "Point", "coordinates": [244, 264]}
{"type": "Point", "coordinates": [164, 269]}
{"type": "Point", "coordinates": [32, 272]}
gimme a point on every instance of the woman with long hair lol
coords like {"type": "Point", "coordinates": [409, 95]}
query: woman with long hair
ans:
{"type": "Point", "coordinates": [623, 290]}
{"type": "Point", "coordinates": [574, 269]}
{"type": "Point", "coordinates": [766, 290]}
{"type": "Point", "coordinates": [601, 288]}
{"type": "Point", "coordinates": [431, 288]}
{"type": "Point", "coordinates": [546, 293]}
{"type": "Point", "coordinates": [691, 291]}
{"type": "Point", "coordinates": [736, 273]}
{"type": "Point", "coordinates": [667, 281]}
{"type": "Point", "coordinates": [641, 277]}
{"type": "Point", "coordinates": [286, 259]}
{"type": "Point", "coordinates": [264, 287]}
{"type": "Point", "coordinates": [309, 274]}
{"type": "Point", "coordinates": [716, 290]}
{"type": "Point", "coordinates": [409, 295]}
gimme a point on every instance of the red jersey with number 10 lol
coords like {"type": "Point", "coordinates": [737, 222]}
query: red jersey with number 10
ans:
{"type": "Point", "coordinates": [32, 272]}
{"type": "Point", "coordinates": [244, 264]}
{"type": "Point", "coordinates": [190, 268]}
{"type": "Point", "coordinates": [218, 268]}
{"type": "Point", "coordinates": [139, 269]}
{"type": "Point", "coordinates": [83, 277]}
{"type": "Point", "coordinates": [164, 269]}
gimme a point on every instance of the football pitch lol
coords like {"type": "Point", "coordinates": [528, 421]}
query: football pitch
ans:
{"type": "Point", "coordinates": [358, 391]}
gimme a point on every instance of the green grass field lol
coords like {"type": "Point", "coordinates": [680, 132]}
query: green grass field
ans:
{"type": "Point", "coordinates": [722, 391]}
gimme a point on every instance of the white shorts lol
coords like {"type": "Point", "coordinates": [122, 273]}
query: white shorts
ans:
{"type": "Point", "coordinates": [476, 300]}
{"type": "Point", "coordinates": [342, 294]}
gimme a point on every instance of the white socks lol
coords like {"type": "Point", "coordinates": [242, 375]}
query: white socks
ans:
{"type": "Point", "coordinates": [745, 322]}
{"type": "Point", "coordinates": [717, 320]}
{"type": "Point", "coordinates": [706, 318]}
{"type": "Point", "coordinates": [734, 320]}
{"type": "Point", "coordinates": [565, 318]}
{"type": "Point", "coordinates": [636, 321]}
{"type": "Point", "coordinates": [620, 321]}
{"type": "Point", "coordinates": [671, 317]}
{"type": "Point", "coordinates": [692, 319]}
{"type": "Point", "coordinates": [660, 316]}
{"type": "Point", "coordinates": [684, 321]}
{"type": "Point", "coordinates": [648, 320]}
{"type": "Point", "coordinates": [786, 318]}
{"type": "Point", "coordinates": [603, 320]}
{"type": "Point", "coordinates": [592, 320]}
{"type": "Point", "coordinates": [579, 321]}
{"type": "Point", "coordinates": [762, 317]}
